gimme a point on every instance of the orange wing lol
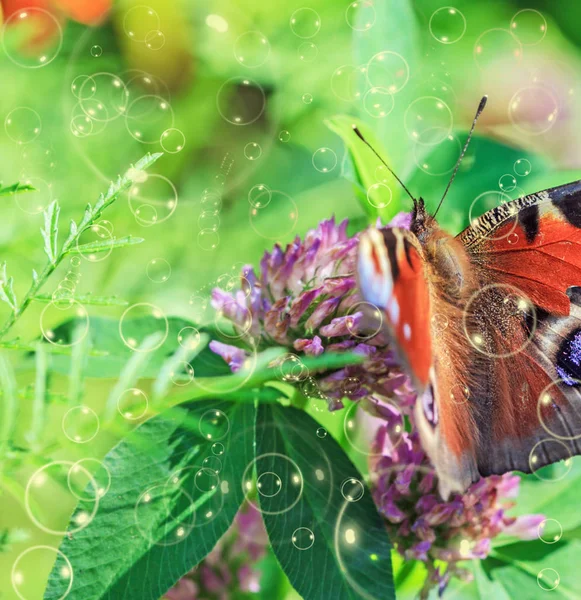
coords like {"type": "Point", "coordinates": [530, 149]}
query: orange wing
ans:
{"type": "Point", "coordinates": [391, 277]}
{"type": "Point", "coordinates": [526, 318]}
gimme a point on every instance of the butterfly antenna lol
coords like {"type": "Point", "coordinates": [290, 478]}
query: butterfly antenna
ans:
{"type": "Point", "coordinates": [360, 136]}
{"type": "Point", "coordinates": [478, 113]}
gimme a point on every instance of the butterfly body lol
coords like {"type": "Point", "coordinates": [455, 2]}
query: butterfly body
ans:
{"type": "Point", "coordinates": [486, 322]}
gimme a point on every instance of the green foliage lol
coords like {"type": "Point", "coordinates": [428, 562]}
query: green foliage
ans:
{"type": "Point", "coordinates": [15, 188]}
{"type": "Point", "coordinates": [164, 510]}
{"type": "Point", "coordinates": [322, 524]}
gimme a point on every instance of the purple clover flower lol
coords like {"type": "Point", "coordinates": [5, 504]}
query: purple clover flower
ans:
{"type": "Point", "coordinates": [231, 566]}
{"type": "Point", "coordinates": [305, 299]}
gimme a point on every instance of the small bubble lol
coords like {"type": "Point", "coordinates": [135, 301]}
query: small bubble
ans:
{"type": "Point", "coordinates": [324, 160]}
{"type": "Point", "coordinates": [522, 167]}
{"type": "Point", "coordinates": [96, 50]}
{"type": "Point", "coordinates": [307, 98]}
{"type": "Point", "coordinates": [307, 52]}
{"type": "Point", "coordinates": [321, 432]}
{"type": "Point", "coordinates": [303, 538]}
{"type": "Point", "coordinates": [284, 136]}
{"type": "Point", "coordinates": [507, 183]}
{"type": "Point", "coordinates": [305, 23]}
{"type": "Point", "coordinates": [550, 531]}
{"type": "Point", "coordinates": [352, 490]}
{"type": "Point", "coordinates": [252, 151]}
{"type": "Point", "coordinates": [548, 579]}
{"type": "Point", "coordinates": [158, 270]}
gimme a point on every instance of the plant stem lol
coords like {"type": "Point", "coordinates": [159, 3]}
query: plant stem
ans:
{"type": "Point", "coordinates": [91, 215]}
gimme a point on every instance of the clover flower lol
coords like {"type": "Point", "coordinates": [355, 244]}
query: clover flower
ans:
{"type": "Point", "coordinates": [231, 567]}
{"type": "Point", "coordinates": [305, 298]}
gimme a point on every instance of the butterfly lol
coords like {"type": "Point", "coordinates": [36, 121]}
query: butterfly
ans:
{"type": "Point", "coordinates": [487, 325]}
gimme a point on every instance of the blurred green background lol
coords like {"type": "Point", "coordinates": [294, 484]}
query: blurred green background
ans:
{"type": "Point", "coordinates": [240, 96]}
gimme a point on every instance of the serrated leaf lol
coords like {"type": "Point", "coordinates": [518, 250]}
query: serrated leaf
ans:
{"type": "Point", "coordinates": [50, 231]}
{"type": "Point", "coordinates": [105, 245]}
{"type": "Point", "coordinates": [321, 520]}
{"type": "Point", "coordinates": [7, 288]}
{"type": "Point", "coordinates": [159, 518]}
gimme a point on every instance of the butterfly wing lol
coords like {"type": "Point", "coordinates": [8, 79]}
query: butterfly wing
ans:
{"type": "Point", "coordinates": [391, 278]}
{"type": "Point", "coordinates": [524, 326]}
{"type": "Point", "coordinates": [395, 277]}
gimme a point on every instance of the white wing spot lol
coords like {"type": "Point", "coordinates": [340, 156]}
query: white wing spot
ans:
{"type": "Point", "coordinates": [407, 331]}
{"type": "Point", "coordinates": [393, 310]}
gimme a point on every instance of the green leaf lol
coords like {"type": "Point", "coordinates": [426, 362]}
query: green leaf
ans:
{"type": "Point", "coordinates": [164, 510]}
{"type": "Point", "coordinates": [527, 570]}
{"type": "Point", "coordinates": [105, 245]}
{"type": "Point", "coordinates": [85, 299]}
{"type": "Point", "coordinates": [7, 288]}
{"type": "Point", "coordinates": [50, 230]}
{"type": "Point", "coordinates": [328, 547]}
{"type": "Point", "coordinates": [15, 188]}
{"type": "Point", "coordinates": [106, 339]}
{"type": "Point", "coordinates": [363, 168]}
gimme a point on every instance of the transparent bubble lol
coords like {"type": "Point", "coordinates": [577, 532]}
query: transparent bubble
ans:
{"type": "Point", "coordinates": [379, 195]}
{"type": "Point", "coordinates": [152, 201]}
{"type": "Point", "coordinates": [209, 220]}
{"type": "Point", "coordinates": [22, 125]}
{"type": "Point", "coordinates": [350, 387]}
{"type": "Point", "coordinates": [182, 374]}
{"type": "Point", "coordinates": [447, 25]}
{"type": "Point", "coordinates": [513, 327]}
{"type": "Point", "coordinates": [179, 520]}
{"type": "Point", "coordinates": [439, 322]}
{"type": "Point", "coordinates": [37, 156]}
{"type": "Point", "coordinates": [214, 425]}
{"type": "Point", "coordinates": [274, 472]}
{"type": "Point", "coordinates": [35, 201]}
{"type": "Point", "coordinates": [507, 183]}
{"type": "Point", "coordinates": [47, 481]}
{"type": "Point", "coordinates": [378, 102]}
{"type": "Point", "coordinates": [548, 579]}
{"type": "Point", "coordinates": [96, 50]}
{"type": "Point", "coordinates": [269, 484]}
{"type": "Point", "coordinates": [533, 110]}
{"type": "Point", "coordinates": [138, 337]}
{"type": "Point", "coordinates": [522, 167]}
{"type": "Point", "coordinates": [342, 83]}
{"type": "Point", "coordinates": [352, 489]}
{"type": "Point", "coordinates": [139, 21]}
{"type": "Point", "coordinates": [218, 449]}
{"type": "Point", "coordinates": [208, 239]}
{"type": "Point", "coordinates": [497, 48]}
{"type": "Point", "coordinates": [155, 39]}
{"type": "Point", "coordinates": [388, 70]}
{"type": "Point", "coordinates": [132, 404]}
{"type": "Point", "coordinates": [324, 160]}
{"type": "Point", "coordinates": [555, 471]}
{"type": "Point", "coordinates": [459, 393]}
{"type": "Point", "coordinates": [284, 136]}
{"type": "Point", "coordinates": [277, 219]}
{"type": "Point", "coordinates": [307, 52]}
{"type": "Point", "coordinates": [228, 328]}
{"type": "Point", "coordinates": [80, 424]}
{"type": "Point", "coordinates": [307, 98]}
{"type": "Point", "coordinates": [20, 40]}
{"type": "Point", "coordinates": [438, 159]}
{"type": "Point", "coordinates": [360, 443]}
{"type": "Point", "coordinates": [206, 480]}
{"type": "Point", "coordinates": [189, 338]}
{"type": "Point", "coordinates": [55, 313]}
{"type": "Point", "coordinates": [213, 463]}
{"type": "Point", "coordinates": [172, 140]}
{"type": "Point", "coordinates": [240, 101]}
{"type": "Point", "coordinates": [305, 23]}
{"type": "Point", "coordinates": [364, 320]}
{"type": "Point", "coordinates": [252, 49]}
{"type": "Point", "coordinates": [94, 235]}
{"type": "Point", "coordinates": [88, 479]}
{"type": "Point", "coordinates": [158, 270]}
{"type": "Point", "coordinates": [485, 202]}
{"type": "Point", "coordinates": [103, 97]}
{"type": "Point", "coordinates": [529, 26]}
{"type": "Point", "coordinates": [303, 538]}
{"type": "Point", "coordinates": [360, 15]}
{"type": "Point", "coordinates": [252, 151]}
{"type": "Point", "coordinates": [211, 200]}
{"type": "Point", "coordinates": [428, 120]}
{"type": "Point", "coordinates": [291, 368]}
{"type": "Point", "coordinates": [81, 126]}
{"type": "Point", "coordinates": [77, 86]}
{"type": "Point", "coordinates": [321, 432]}
{"type": "Point", "coordinates": [548, 405]}
{"type": "Point", "coordinates": [148, 118]}
{"type": "Point", "coordinates": [24, 575]}
{"type": "Point", "coordinates": [550, 531]}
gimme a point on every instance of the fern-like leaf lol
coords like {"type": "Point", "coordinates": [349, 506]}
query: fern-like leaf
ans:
{"type": "Point", "coordinates": [50, 230]}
